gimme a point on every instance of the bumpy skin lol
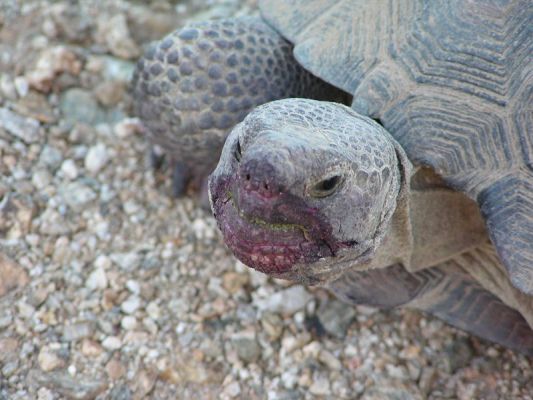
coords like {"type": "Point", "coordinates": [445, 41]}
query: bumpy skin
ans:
{"type": "Point", "coordinates": [267, 195]}
{"type": "Point", "coordinates": [194, 85]}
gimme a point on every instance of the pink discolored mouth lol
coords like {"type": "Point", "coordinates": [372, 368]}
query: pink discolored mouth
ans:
{"type": "Point", "coordinates": [288, 233]}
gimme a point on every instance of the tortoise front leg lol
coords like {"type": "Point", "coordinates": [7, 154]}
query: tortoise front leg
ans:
{"type": "Point", "coordinates": [448, 292]}
{"type": "Point", "coordinates": [194, 85]}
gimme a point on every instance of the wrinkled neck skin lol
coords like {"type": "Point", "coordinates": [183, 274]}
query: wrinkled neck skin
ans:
{"type": "Point", "coordinates": [431, 223]}
{"type": "Point", "coordinates": [395, 246]}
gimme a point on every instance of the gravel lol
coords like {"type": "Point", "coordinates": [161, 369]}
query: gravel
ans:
{"type": "Point", "coordinates": [111, 289]}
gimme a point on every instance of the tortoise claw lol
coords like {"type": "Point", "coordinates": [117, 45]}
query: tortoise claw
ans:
{"type": "Point", "coordinates": [157, 158]}
{"type": "Point", "coordinates": [179, 179]}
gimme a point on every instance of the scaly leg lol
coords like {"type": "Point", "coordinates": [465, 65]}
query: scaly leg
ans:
{"type": "Point", "coordinates": [446, 291]}
{"type": "Point", "coordinates": [194, 85]}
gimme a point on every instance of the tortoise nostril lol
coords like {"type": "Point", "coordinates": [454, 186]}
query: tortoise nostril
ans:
{"type": "Point", "coordinates": [259, 176]}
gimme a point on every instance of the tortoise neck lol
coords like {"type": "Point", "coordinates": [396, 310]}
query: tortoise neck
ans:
{"type": "Point", "coordinates": [431, 224]}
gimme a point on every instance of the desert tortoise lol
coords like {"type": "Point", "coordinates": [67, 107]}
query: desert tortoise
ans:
{"type": "Point", "coordinates": [432, 208]}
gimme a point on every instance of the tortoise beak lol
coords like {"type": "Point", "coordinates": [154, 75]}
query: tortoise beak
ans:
{"type": "Point", "coordinates": [268, 232]}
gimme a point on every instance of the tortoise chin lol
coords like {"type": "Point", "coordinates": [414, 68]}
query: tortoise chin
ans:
{"type": "Point", "coordinates": [273, 234]}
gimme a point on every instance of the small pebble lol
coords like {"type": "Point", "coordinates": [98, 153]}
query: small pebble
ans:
{"type": "Point", "coordinates": [232, 390]}
{"type": "Point", "coordinates": [96, 158]}
{"type": "Point", "coordinates": [320, 387]}
{"type": "Point", "coordinates": [97, 279]}
{"type": "Point", "coordinates": [78, 331]}
{"type": "Point", "coordinates": [131, 304]}
{"type": "Point", "coordinates": [90, 348]}
{"type": "Point", "coordinates": [48, 360]}
{"type": "Point", "coordinates": [41, 179]}
{"type": "Point", "coordinates": [128, 323]}
{"type": "Point", "coordinates": [286, 301]}
{"type": "Point", "coordinates": [115, 369]}
{"type": "Point", "coordinates": [69, 169]}
{"type": "Point", "coordinates": [112, 343]}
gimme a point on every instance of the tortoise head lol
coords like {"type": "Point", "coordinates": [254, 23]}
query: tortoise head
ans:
{"type": "Point", "coordinates": [305, 189]}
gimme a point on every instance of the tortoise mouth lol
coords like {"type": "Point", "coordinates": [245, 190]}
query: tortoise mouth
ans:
{"type": "Point", "coordinates": [274, 246]}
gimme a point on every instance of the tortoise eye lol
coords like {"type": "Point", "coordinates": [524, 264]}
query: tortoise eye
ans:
{"type": "Point", "coordinates": [238, 153]}
{"type": "Point", "coordinates": [326, 187]}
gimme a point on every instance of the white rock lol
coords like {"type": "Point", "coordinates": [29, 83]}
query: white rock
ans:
{"type": "Point", "coordinates": [41, 178]}
{"type": "Point", "coordinates": [289, 378]}
{"type": "Point", "coordinates": [26, 129]}
{"type": "Point", "coordinates": [97, 279]}
{"type": "Point", "coordinates": [312, 349]}
{"type": "Point", "coordinates": [53, 223]}
{"type": "Point", "coordinates": [22, 86]}
{"type": "Point", "coordinates": [115, 33]}
{"type": "Point", "coordinates": [102, 261]}
{"type": "Point", "coordinates": [127, 127]}
{"type": "Point", "coordinates": [320, 387]}
{"type": "Point", "coordinates": [233, 389]}
{"type": "Point", "coordinates": [25, 310]}
{"type": "Point", "coordinates": [126, 261]}
{"type": "Point", "coordinates": [133, 286]}
{"type": "Point", "coordinates": [48, 360]}
{"type": "Point", "coordinates": [72, 370]}
{"type": "Point", "coordinates": [153, 310]}
{"type": "Point", "coordinates": [286, 301]}
{"type": "Point", "coordinates": [102, 230]}
{"type": "Point", "coordinates": [128, 323]}
{"type": "Point", "coordinates": [7, 86]}
{"type": "Point", "coordinates": [45, 394]}
{"type": "Point", "coordinates": [150, 325]}
{"type": "Point", "coordinates": [51, 156]}
{"type": "Point", "coordinates": [96, 158]}
{"type": "Point", "coordinates": [131, 304]}
{"type": "Point", "coordinates": [69, 169]}
{"type": "Point", "coordinates": [202, 230]}
{"type": "Point", "coordinates": [112, 343]}
{"type": "Point", "coordinates": [330, 360]}
{"type": "Point", "coordinates": [257, 279]}
{"type": "Point", "coordinates": [131, 207]}
{"type": "Point", "coordinates": [76, 195]}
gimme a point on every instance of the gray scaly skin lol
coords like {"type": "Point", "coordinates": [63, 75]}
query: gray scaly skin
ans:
{"type": "Point", "coordinates": [194, 85]}
{"type": "Point", "coordinates": [314, 192]}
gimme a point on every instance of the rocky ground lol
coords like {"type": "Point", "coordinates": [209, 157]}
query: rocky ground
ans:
{"type": "Point", "coordinates": [110, 289]}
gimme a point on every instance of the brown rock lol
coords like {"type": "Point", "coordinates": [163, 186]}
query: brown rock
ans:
{"type": "Point", "coordinates": [113, 31]}
{"type": "Point", "coordinates": [109, 93]}
{"type": "Point", "coordinates": [48, 360]}
{"type": "Point", "coordinates": [8, 348]}
{"type": "Point", "coordinates": [115, 370]}
{"type": "Point", "coordinates": [52, 62]}
{"type": "Point", "coordinates": [90, 348]}
{"type": "Point", "coordinates": [35, 105]}
{"type": "Point", "coordinates": [144, 383]}
{"type": "Point", "coordinates": [233, 282]}
{"type": "Point", "coordinates": [13, 275]}
{"type": "Point", "coordinates": [16, 213]}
